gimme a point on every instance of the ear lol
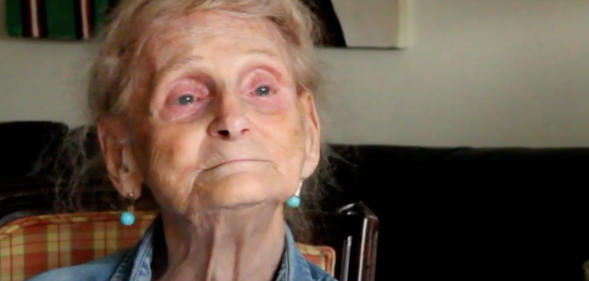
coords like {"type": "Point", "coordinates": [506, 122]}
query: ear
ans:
{"type": "Point", "coordinates": [118, 157]}
{"type": "Point", "coordinates": [312, 135]}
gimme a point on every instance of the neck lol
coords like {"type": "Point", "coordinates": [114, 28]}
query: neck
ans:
{"type": "Point", "coordinates": [238, 244]}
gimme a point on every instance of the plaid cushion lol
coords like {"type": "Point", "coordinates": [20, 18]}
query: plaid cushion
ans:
{"type": "Point", "coordinates": [322, 256]}
{"type": "Point", "coordinates": [36, 244]}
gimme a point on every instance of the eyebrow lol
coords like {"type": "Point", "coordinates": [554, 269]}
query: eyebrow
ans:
{"type": "Point", "coordinates": [178, 63]}
{"type": "Point", "coordinates": [193, 58]}
{"type": "Point", "coordinates": [266, 52]}
{"type": "Point", "coordinates": [188, 61]}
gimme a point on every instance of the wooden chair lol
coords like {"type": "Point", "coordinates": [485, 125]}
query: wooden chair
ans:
{"type": "Point", "coordinates": [30, 230]}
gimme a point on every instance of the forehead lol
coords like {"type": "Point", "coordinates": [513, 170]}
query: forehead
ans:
{"type": "Point", "coordinates": [210, 33]}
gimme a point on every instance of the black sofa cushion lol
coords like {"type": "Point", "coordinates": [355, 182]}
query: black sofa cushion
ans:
{"type": "Point", "coordinates": [29, 147]}
{"type": "Point", "coordinates": [472, 214]}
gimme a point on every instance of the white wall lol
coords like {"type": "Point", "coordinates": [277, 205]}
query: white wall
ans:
{"type": "Point", "coordinates": [479, 73]}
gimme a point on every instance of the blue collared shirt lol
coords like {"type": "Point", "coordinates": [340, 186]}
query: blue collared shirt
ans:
{"type": "Point", "coordinates": [134, 264]}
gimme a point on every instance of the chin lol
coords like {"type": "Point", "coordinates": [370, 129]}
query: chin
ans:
{"type": "Point", "coordinates": [239, 191]}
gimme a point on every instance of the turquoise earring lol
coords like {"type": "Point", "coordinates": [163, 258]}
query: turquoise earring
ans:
{"type": "Point", "coordinates": [295, 200]}
{"type": "Point", "coordinates": [128, 217]}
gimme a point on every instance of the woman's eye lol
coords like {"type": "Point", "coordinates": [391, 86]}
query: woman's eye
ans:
{"type": "Point", "coordinates": [186, 100]}
{"type": "Point", "coordinates": [263, 91]}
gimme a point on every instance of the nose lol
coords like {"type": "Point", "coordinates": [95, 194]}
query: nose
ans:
{"type": "Point", "coordinates": [231, 122]}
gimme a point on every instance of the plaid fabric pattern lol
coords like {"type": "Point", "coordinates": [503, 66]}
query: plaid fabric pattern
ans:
{"type": "Point", "coordinates": [33, 245]}
{"type": "Point", "coordinates": [322, 256]}
{"type": "Point", "coordinates": [36, 244]}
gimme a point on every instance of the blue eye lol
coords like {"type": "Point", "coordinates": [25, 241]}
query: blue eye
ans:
{"type": "Point", "coordinates": [263, 91]}
{"type": "Point", "coordinates": [186, 100]}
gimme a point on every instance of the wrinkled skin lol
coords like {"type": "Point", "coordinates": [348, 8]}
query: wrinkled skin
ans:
{"type": "Point", "coordinates": [218, 132]}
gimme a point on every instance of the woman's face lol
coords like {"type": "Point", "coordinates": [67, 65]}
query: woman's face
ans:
{"type": "Point", "coordinates": [218, 123]}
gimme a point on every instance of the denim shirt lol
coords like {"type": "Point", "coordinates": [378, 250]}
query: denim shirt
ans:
{"type": "Point", "coordinates": [134, 264]}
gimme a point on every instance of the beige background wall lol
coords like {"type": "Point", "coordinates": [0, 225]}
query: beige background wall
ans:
{"type": "Point", "coordinates": [479, 73]}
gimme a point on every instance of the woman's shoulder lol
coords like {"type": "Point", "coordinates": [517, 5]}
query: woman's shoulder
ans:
{"type": "Point", "coordinates": [97, 270]}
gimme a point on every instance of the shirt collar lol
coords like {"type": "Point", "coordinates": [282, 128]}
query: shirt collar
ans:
{"type": "Point", "coordinates": [294, 266]}
{"type": "Point", "coordinates": [136, 264]}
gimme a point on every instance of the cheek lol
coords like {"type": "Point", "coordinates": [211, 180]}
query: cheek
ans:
{"type": "Point", "coordinates": [174, 156]}
{"type": "Point", "coordinates": [286, 132]}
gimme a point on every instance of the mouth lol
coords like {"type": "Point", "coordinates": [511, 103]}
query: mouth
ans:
{"type": "Point", "coordinates": [232, 162]}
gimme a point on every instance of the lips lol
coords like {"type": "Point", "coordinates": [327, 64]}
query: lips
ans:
{"type": "Point", "coordinates": [233, 161]}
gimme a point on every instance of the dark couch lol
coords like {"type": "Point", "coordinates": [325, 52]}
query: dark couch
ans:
{"type": "Point", "coordinates": [472, 214]}
{"type": "Point", "coordinates": [445, 213]}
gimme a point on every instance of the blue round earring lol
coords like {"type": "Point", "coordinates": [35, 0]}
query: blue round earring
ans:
{"type": "Point", "coordinates": [128, 217]}
{"type": "Point", "coordinates": [295, 200]}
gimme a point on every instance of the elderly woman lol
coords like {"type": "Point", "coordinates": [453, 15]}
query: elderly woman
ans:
{"type": "Point", "coordinates": [208, 104]}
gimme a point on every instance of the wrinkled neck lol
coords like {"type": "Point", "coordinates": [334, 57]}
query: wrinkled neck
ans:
{"type": "Point", "coordinates": [223, 245]}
